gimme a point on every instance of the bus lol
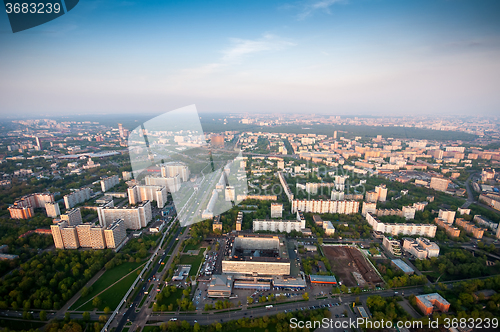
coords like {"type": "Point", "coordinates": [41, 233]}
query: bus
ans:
{"type": "Point", "coordinates": [269, 306]}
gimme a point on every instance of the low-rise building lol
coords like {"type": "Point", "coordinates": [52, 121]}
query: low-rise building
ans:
{"type": "Point", "coordinates": [392, 246]}
{"type": "Point", "coordinates": [429, 302]}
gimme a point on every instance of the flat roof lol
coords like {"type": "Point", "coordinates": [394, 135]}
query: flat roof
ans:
{"type": "Point", "coordinates": [427, 299]}
{"type": "Point", "coordinates": [320, 279]}
{"type": "Point", "coordinates": [402, 265]}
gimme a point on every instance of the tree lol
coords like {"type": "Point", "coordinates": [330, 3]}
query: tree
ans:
{"type": "Point", "coordinates": [196, 327]}
{"type": "Point", "coordinates": [43, 315]}
{"type": "Point", "coordinates": [86, 316]}
{"type": "Point", "coordinates": [96, 302]}
{"type": "Point", "coordinates": [218, 326]}
{"type": "Point", "coordinates": [107, 310]}
{"type": "Point", "coordinates": [305, 296]}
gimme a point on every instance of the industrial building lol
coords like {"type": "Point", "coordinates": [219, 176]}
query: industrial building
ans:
{"type": "Point", "coordinates": [257, 255]}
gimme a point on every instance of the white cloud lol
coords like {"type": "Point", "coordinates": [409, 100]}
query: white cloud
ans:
{"type": "Point", "coordinates": [239, 49]}
{"type": "Point", "coordinates": [243, 47]}
{"type": "Point", "coordinates": [322, 5]}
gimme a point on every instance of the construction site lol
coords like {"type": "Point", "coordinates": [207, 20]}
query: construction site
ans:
{"type": "Point", "coordinates": [351, 267]}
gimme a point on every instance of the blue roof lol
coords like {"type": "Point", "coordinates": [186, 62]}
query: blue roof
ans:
{"type": "Point", "coordinates": [402, 265]}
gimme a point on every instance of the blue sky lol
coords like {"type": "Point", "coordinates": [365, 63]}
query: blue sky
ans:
{"type": "Point", "coordinates": [385, 57]}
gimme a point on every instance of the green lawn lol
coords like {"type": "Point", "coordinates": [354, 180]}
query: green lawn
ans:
{"type": "Point", "coordinates": [150, 328]}
{"type": "Point", "coordinates": [112, 297]}
{"type": "Point", "coordinates": [192, 247]}
{"type": "Point", "coordinates": [194, 261]}
{"type": "Point", "coordinates": [108, 278]}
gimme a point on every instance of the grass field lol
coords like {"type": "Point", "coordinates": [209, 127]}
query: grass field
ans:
{"type": "Point", "coordinates": [192, 247]}
{"type": "Point", "coordinates": [108, 278]}
{"type": "Point", "coordinates": [112, 297]}
{"type": "Point", "coordinates": [195, 262]}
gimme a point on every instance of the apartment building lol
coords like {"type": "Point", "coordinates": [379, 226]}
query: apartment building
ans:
{"type": "Point", "coordinates": [216, 224]}
{"type": "Point", "coordinates": [393, 246]}
{"type": "Point", "coordinates": [77, 197]}
{"type": "Point", "coordinates": [52, 209]}
{"type": "Point", "coordinates": [24, 208]}
{"type": "Point", "coordinates": [439, 184]}
{"type": "Point", "coordinates": [239, 221]}
{"type": "Point", "coordinates": [469, 227]}
{"type": "Point", "coordinates": [285, 186]}
{"type": "Point", "coordinates": [328, 228]}
{"type": "Point", "coordinates": [174, 169]}
{"type": "Point", "coordinates": [172, 184]}
{"type": "Point", "coordinates": [325, 206]}
{"type": "Point", "coordinates": [447, 216]}
{"type": "Point", "coordinates": [276, 210]}
{"type": "Point", "coordinates": [109, 182]}
{"type": "Point", "coordinates": [134, 217]}
{"type": "Point", "coordinates": [421, 248]}
{"type": "Point", "coordinates": [403, 228]}
{"type": "Point", "coordinates": [450, 230]}
{"type": "Point", "coordinates": [73, 217]}
{"type": "Point", "coordinates": [277, 225]}
{"type": "Point", "coordinates": [115, 233]}
{"type": "Point", "coordinates": [139, 193]}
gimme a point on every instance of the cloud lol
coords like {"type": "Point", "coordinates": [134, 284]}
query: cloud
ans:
{"type": "Point", "coordinates": [244, 47]}
{"type": "Point", "coordinates": [240, 49]}
{"type": "Point", "coordinates": [310, 8]}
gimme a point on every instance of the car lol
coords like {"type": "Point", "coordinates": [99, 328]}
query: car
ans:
{"type": "Point", "coordinates": [173, 319]}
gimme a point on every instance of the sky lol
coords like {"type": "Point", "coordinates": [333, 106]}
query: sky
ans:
{"type": "Point", "coordinates": [339, 57]}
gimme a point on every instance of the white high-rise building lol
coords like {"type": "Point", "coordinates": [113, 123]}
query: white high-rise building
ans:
{"type": "Point", "coordinates": [52, 209]}
{"type": "Point", "coordinates": [134, 217]}
{"type": "Point", "coordinates": [77, 197]}
{"type": "Point", "coordinates": [109, 182]}
{"type": "Point", "coordinates": [141, 193]}
{"type": "Point", "coordinates": [173, 169]}
{"type": "Point", "coordinates": [276, 210]}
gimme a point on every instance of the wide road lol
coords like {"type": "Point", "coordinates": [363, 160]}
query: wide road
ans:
{"type": "Point", "coordinates": [262, 311]}
{"type": "Point", "coordinates": [129, 314]}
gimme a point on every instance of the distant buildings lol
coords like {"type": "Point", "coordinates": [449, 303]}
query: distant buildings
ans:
{"type": "Point", "coordinates": [109, 182]}
{"type": "Point", "coordinates": [24, 207]}
{"type": "Point", "coordinates": [217, 141]}
{"type": "Point", "coordinates": [439, 184]}
{"type": "Point", "coordinates": [325, 206]}
{"type": "Point", "coordinates": [420, 248]}
{"type": "Point", "coordinates": [77, 197]}
{"type": "Point", "coordinates": [400, 228]}
{"type": "Point", "coordinates": [134, 217]}
{"type": "Point", "coordinates": [275, 225]}
{"type": "Point", "coordinates": [427, 303]}
{"type": "Point", "coordinates": [470, 228]}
